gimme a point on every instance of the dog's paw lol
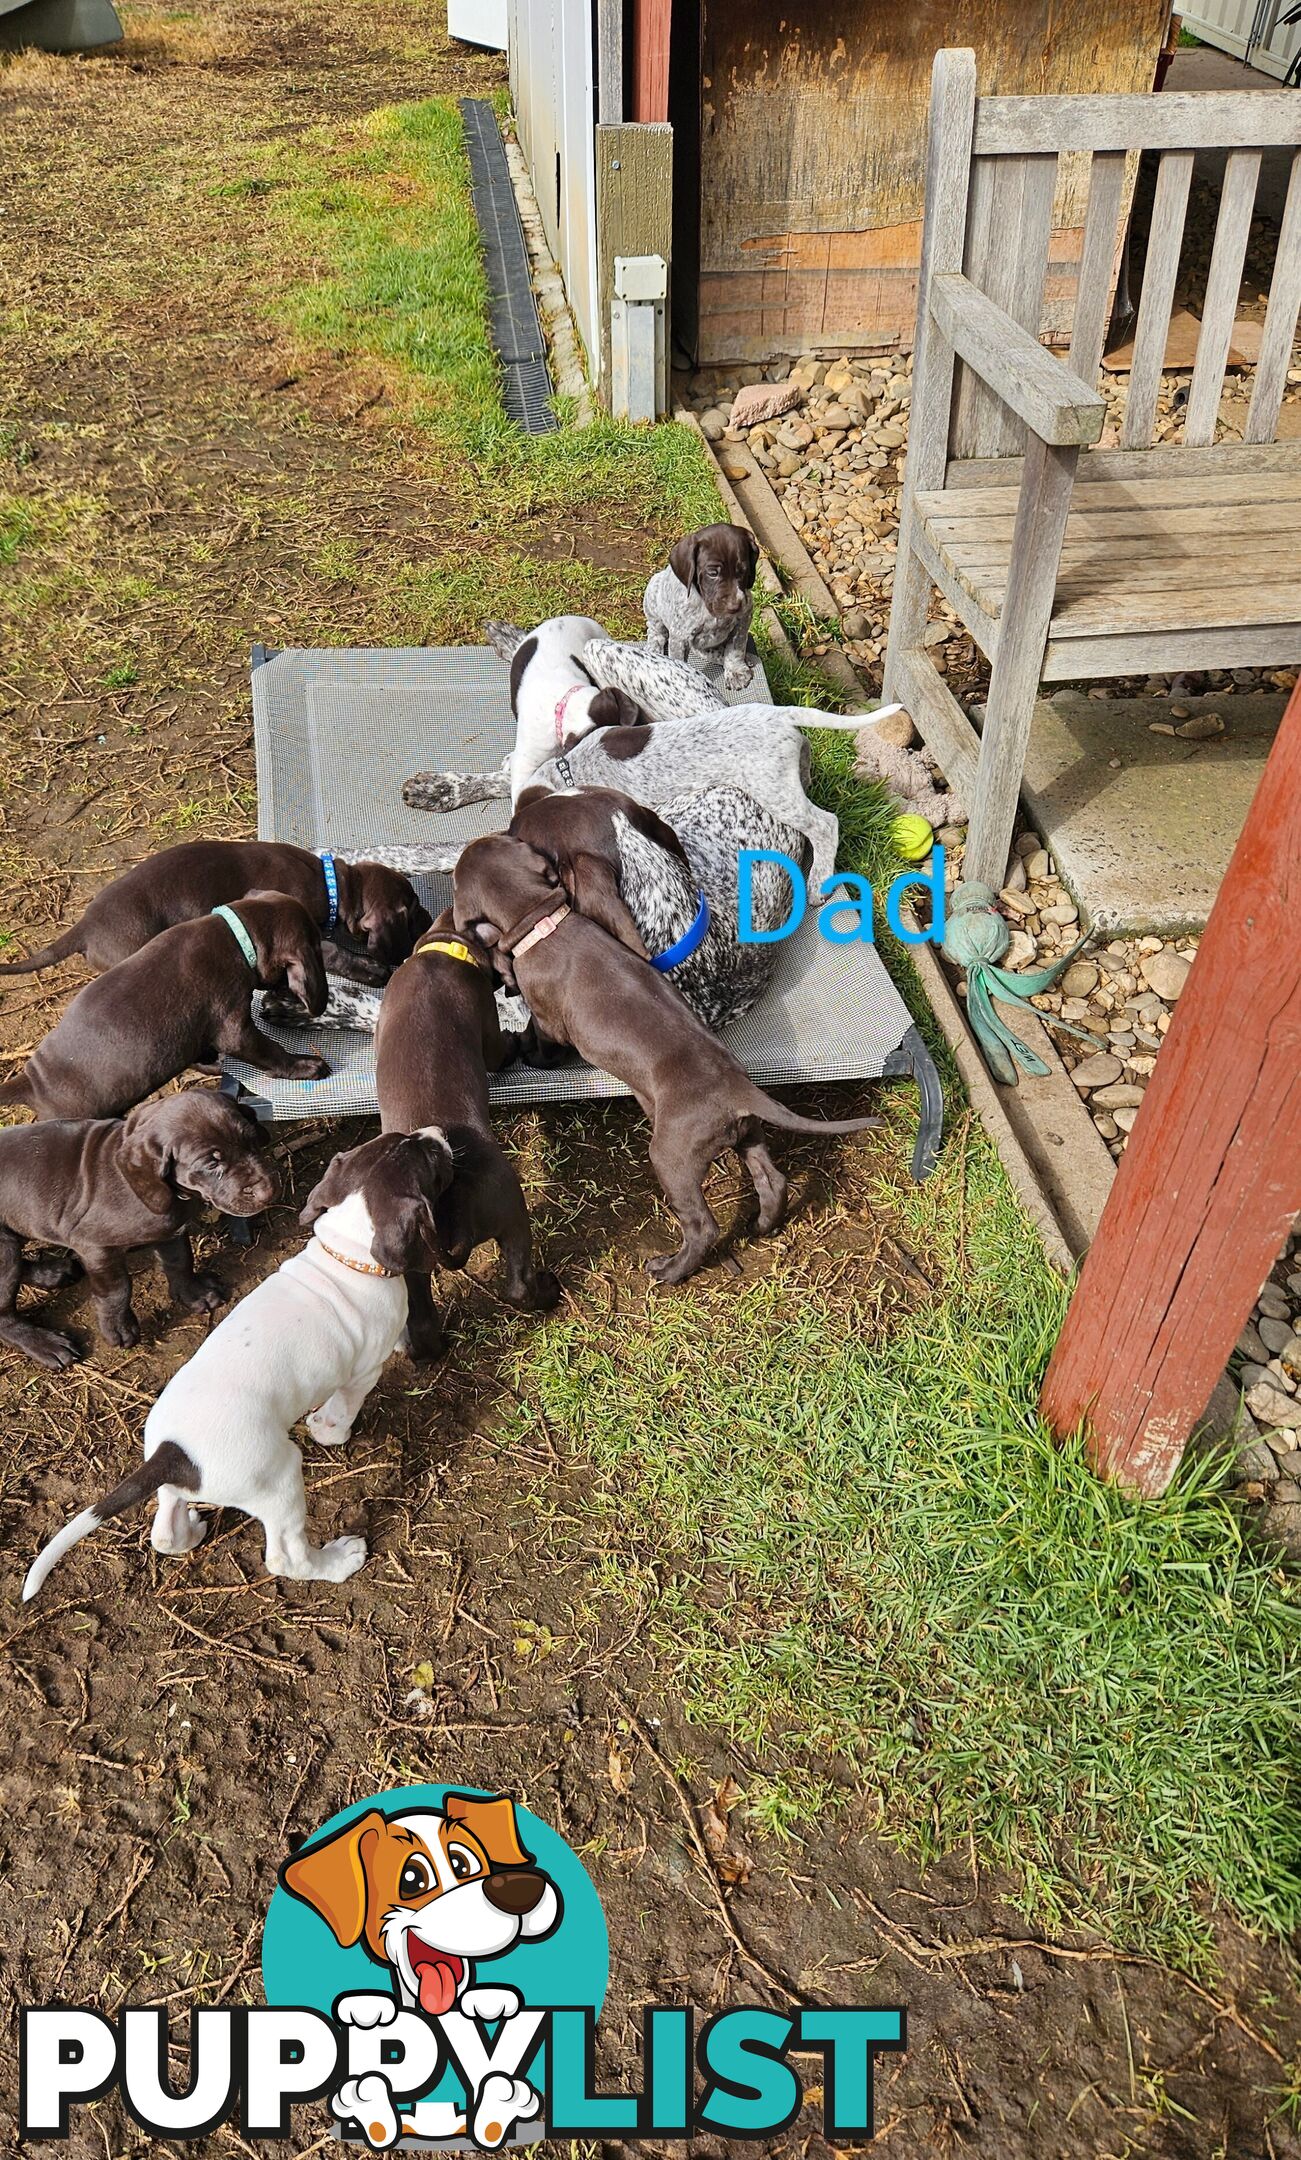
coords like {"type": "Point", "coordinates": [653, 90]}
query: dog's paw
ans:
{"type": "Point", "coordinates": [431, 791]}
{"type": "Point", "coordinates": [425, 1345]}
{"type": "Point", "coordinates": [670, 1268]}
{"type": "Point", "coordinates": [203, 1293]}
{"type": "Point", "coordinates": [329, 1423]}
{"type": "Point", "coordinates": [124, 1334]}
{"type": "Point", "coordinates": [368, 2101]}
{"type": "Point", "coordinates": [308, 1068]}
{"type": "Point", "coordinates": [490, 2003]}
{"type": "Point", "coordinates": [53, 1349]}
{"type": "Point", "coordinates": [547, 1291]}
{"type": "Point", "coordinates": [181, 1531]}
{"type": "Point", "coordinates": [736, 675]}
{"type": "Point", "coordinates": [341, 1558]}
{"type": "Point", "coordinates": [365, 2011]}
{"type": "Point", "coordinates": [501, 2103]}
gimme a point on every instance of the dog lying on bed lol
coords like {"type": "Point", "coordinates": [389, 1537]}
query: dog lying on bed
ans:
{"type": "Point", "coordinates": [666, 888]}
{"type": "Point", "coordinates": [589, 992]}
{"type": "Point", "coordinates": [308, 1344]}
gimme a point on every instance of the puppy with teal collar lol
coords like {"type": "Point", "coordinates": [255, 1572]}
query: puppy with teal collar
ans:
{"type": "Point", "coordinates": [307, 1345]}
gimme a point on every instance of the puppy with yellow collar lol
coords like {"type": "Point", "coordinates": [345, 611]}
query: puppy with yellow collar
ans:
{"type": "Point", "coordinates": [438, 1039]}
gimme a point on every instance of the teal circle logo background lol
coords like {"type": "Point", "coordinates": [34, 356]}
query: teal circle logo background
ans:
{"type": "Point", "coordinates": [304, 1967]}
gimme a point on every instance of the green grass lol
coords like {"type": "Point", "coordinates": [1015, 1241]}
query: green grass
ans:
{"type": "Point", "coordinates": [871, 1549]}
{"type": "Point", "coordinates": [387, 221]}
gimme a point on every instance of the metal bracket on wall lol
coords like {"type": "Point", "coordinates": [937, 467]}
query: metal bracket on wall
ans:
{"type": "Point", "coordinates": [638, 357]}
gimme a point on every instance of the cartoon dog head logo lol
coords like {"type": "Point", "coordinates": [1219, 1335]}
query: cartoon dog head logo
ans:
{"type": "Point", "coordinates": [430, 1894]}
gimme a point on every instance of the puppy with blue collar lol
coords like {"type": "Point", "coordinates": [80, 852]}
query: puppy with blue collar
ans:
{"type": "Point", "coordinates": [307, 1345]}
{"type": "Point", "coordinates": [374, 907]}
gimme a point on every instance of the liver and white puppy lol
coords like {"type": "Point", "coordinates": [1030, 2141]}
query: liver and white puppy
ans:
{"type": "Point", "coordinates": [553, 698]}
{"type": "Point", "coordinates": [371, 903]}
{"type": "Point", "coordinates": [104, 1188]}
{"type": "Point", "coordinates": [430, 1895]}
{"type": "Point", "coordinates": [438, 1039]}
{"type": "Point", "coordinates": [586, 989]}
{"type": "Point", "coordinates": [309, 1343]}
{"type": "Point", "coordinates": [183, 999]}
{"type": "Point", "coordinates": [702, 604]}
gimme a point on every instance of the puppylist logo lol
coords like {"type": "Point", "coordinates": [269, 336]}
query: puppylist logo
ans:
{"type": "Point", "coordinates": [434, 1963]}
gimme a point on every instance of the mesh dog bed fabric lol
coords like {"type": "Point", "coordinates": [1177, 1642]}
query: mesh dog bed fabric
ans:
{"type": "Point", "coordinates": [337, 732]}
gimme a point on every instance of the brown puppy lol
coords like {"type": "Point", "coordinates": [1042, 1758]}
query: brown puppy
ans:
{"type": "Point", "coordinates": [375, 905]}
{"type": "Point", "coordinates": [103, 1188]}
{"type": "Point", "coordinates": [438, 1039]}
{"type": "Point", "coordinates": [585, 989]}
{"type": "Point", "coordinates": [575, 832]}
{"type": "Point", "coordinates": [184, 999]}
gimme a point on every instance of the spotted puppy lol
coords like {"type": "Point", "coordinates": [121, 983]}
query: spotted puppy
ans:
{"type": "Point", "coordinates": [308, 1345]}
{"type": "Point", "coordinates": [667, 887]}
{"type": "Point", "coordinates": [702, 603]}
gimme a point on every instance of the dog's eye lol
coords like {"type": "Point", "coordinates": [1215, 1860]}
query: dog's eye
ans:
{"type": "Point", "coordinates": [416, 1878]}
{"type": "Point", "coordinates": [464, 1863]}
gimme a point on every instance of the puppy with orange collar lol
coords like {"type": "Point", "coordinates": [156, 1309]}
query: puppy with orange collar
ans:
{"type": "Point", "coordinates": [429, 1895]}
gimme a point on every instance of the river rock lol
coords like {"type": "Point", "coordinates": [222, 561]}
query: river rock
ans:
{"type": "Point", "coordinates": [1270, 1405]}
{"type": "Point", "coordinates": [1123, 1095]}
{"type": "Point", "coordinates": [1275, 1334]}
{"type": "Point", "coordinates": [1165, 973]}
{"type": "Point", "coordinates": [764, 401]}
{"type": "Point", "coordinates": [1097, 1071]}
{"type": "Point", "coordinates": [1080, 979]}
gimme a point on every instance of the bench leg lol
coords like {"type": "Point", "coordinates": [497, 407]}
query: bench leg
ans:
{"type": "Point", "coordinates": [1041, 511]}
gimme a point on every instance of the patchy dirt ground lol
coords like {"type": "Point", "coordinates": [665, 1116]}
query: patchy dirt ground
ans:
{"type": "Point", "coordinates": [172, 1728]}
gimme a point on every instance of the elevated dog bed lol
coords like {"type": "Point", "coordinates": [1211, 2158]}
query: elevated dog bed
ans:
{"type": "Point", "coordinates": [337, 732]}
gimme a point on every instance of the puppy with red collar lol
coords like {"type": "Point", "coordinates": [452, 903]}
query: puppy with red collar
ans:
{"type": "Point", "coordinates": [308, 1344]}
{"type": "Point", "coordinates": [430, 1895]}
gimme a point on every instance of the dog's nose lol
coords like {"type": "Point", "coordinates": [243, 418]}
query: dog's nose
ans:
{"type": "Point", "coordinates": [518, 1892]}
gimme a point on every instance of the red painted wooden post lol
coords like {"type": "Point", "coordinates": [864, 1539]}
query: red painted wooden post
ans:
{"type": "Point", "coordinates": [1210, 1183]}
{"type": "Point", "coordinates": [650, 69]}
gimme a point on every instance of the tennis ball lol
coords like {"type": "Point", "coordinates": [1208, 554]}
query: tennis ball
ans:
{"type": "Point", "coordinates": [912, 837]}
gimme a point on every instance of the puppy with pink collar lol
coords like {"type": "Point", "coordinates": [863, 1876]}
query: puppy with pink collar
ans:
{"type": "Point", "coordinates": [307, 1345]}
{"type": "Point", "coordinates": [552, 695]}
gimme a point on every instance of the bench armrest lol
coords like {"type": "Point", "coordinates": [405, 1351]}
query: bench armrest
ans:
{"type": "Point", "coordinates": [1054, 403]}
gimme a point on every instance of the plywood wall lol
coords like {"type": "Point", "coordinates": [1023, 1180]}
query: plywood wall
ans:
{"type": "Point", "coordinates": [812, 147]}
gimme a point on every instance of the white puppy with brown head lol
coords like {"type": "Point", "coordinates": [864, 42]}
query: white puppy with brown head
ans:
{"type": "Point", "coordinates": [308, 1344]}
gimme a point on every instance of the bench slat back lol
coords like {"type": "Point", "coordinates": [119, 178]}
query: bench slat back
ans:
{"type": "Point", "coordinates": [1013, 174]}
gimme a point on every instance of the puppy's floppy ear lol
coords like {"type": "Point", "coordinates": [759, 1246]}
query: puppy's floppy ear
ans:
{"type": "Point", "coordinates": [594, 890]}
{"type": "Point", "coordinates": [146, 1163]}
{"type": "Point", "coordinates": [305, 977]}
{"type": "Point", "coordinates": [614, 708]}
{"type": "Point", "coordinates": [332, 1188]}
{"type": "Point", "coordinates": [492, 1823]}
{"type": "Point", "coordinates": [750, 548]}
{"type": "Point", "coordinates": [331, 1876]}
{"type": "Point", "coordinates": [684, 556]}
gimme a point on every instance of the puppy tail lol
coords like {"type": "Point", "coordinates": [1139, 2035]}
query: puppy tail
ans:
{"type": "Point", "coordinates": [168, 1465]}
{"type": "Point", "coordinates": [775, 1113]}
{"type": "Point", "coordinates": [838, 720]}
{"type": "Point", "coordinates": [60, 948]}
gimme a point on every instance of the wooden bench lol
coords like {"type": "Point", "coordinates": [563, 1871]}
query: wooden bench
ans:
{"type": "Point", "coordinates": [1066, 562]}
